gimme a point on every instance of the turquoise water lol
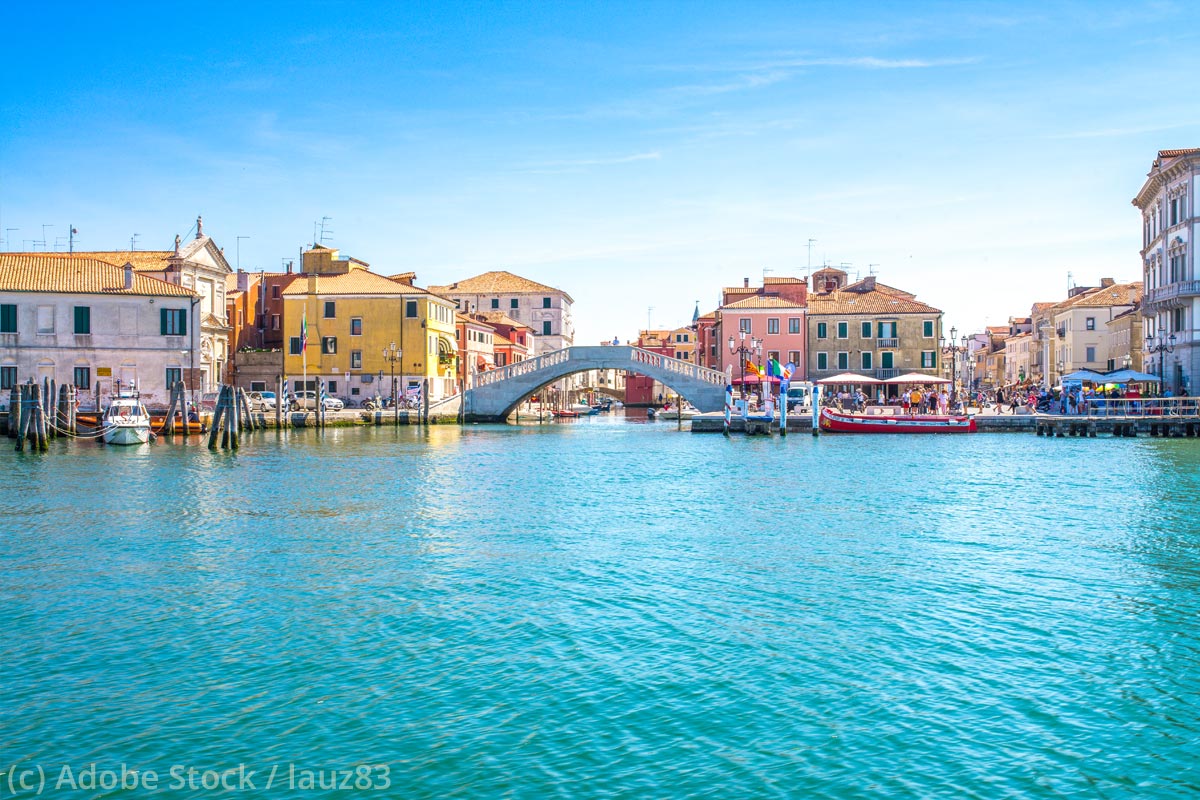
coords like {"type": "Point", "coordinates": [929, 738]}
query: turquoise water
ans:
{"type": "Point", "coordinates": [609, 609]}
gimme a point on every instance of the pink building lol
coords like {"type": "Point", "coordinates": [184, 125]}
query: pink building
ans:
{"type": "Point", "coordinates": [776, 322]}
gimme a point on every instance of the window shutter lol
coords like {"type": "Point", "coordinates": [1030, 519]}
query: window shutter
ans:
{"type": "Point", "coordinates": [182, 322]}
{"type": "Point", "coordinates": [162, 321]}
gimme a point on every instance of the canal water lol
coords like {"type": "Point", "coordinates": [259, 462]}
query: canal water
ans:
{"type": "Point", "coordinates": [606, 608]}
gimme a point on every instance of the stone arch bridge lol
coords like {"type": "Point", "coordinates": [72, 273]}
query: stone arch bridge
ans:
{"type": "Point", "coordinates": [497, 393]}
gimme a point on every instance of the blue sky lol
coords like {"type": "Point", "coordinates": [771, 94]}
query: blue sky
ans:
{"type": "Point", "coordinates": [635, 155]}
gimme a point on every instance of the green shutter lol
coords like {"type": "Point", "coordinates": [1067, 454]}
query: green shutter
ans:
{"type": "Point", "coordinates": [8, 318]}
{"type": "Point", "coordinates": [83, 319]}
{"type": "Point", "coordinates": [182, 322]}
{"type": "Point", "coordinates": [162, 321]}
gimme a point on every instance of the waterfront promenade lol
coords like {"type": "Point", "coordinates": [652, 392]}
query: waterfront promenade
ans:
{"type": "Point", "coordinates": [616, 610]}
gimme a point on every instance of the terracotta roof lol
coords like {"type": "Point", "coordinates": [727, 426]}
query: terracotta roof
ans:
{"type": "Point", "coordinates": [873, 302]}
{"type": "Point", "coordinates": [768, 281]}
{"type": "Point", "coordinates": [997, 329]}
{"type": "Point", "coordinates": [404, 277]}
{"type": "Point", "coordinates": [497, 282]}
{"type": "Point", "coordinates": [710, 315]}
{"type": "Point", "coordinates": [60, 272]}
{"type": "Point", "coordinates": [830, 271]}
{"type": "Point", "coordinates": [142, 260]}
{"type": "Point", "coordinates": [356, 281]}
{"type": "Point", "coordinates": [1120, 294]}
{"type": "Point", "coordinates": [762, 301]}
{"type": "Point", "coordinates": [1186, 151]}
{"type": "Point", "coordinates": [500, 318]}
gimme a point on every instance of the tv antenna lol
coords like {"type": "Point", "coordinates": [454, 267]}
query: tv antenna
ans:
{"type": "Point", "coordinates": [133, 242]}
{"type": "Point", "coordinates": [321, 230]}
{"type": "Point", "coordinates": [811, 242]}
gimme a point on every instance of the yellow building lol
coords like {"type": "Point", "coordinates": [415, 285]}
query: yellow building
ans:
{"type": "Point", "coordinates": [355, 320]}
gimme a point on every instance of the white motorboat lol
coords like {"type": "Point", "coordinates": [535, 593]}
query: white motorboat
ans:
{"type": "Point", "coordinates": [126, 421]}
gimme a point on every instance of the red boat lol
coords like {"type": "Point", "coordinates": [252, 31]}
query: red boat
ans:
{"type": "Point", "coordinates": [565, 414]}
{"type": "Point", "coordinates": [842, 422]}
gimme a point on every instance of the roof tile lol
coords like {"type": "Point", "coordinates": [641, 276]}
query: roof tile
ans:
{"type": "Point", "coordinates": [62, 272]}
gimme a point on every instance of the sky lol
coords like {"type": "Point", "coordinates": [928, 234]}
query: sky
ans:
{"type": "Point", "coordinates": [638, 156]}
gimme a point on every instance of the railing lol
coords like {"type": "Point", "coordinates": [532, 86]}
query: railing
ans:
{"type": "Point", "coordinates": [1180, 289]}
{"type": "Point", "coordinates": [884, 374]}
{"type": "Point", "coordinates": [1142, 408]}
{"type": "Point", "coordinates": [888, 343]}
{"type": "Point", "coordinates": [636, 356]}
{"type": "Point", "coordinates": [9, 339]}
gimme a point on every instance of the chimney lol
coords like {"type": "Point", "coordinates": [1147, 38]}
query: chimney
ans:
{"type": "Point", "coordinates": [1106, 282]}
{"type": "Point", "coordinates": [128, 276]}
{"type": "Point", "coordinates": [289, 267]}
{"type": "Point", "coordinates": [745, 283]}
{"type": "Point", "coordinates": [312, 283]}
{"type": "Point", "coordinates": [868, 283]}
{"type": "Point", "coordinates": [243, 280]}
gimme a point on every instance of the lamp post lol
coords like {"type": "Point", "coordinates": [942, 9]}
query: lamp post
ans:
{"type": "Point", "coordinates": [1161, 345]}
{"type": "Point", "coordinates": [739, 348]}
{"type": "Point", "coordinates": [953, 350]}
{"type": "Point", "coordinates": [392, 355]}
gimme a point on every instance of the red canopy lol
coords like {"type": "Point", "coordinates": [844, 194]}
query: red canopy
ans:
{"type": "Point", "coordinates": [751, 378]}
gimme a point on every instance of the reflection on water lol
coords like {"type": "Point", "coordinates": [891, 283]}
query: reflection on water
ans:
{"type": "Point", "coordinates": [596, 607]}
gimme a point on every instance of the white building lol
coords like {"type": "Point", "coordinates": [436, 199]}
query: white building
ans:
{"type": "Point", "coordinates": [1168, 201]}
{"type": "Point", "coordinates": [198, 265]}
{"type": "Point", "coordinates": [83, 321]}
{"type": "Point", "coordinates": [543, 308]}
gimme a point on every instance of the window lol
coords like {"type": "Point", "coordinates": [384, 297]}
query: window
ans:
{"type": "Point", "coordinates": [794, 356]}
{"type": "Point", "coordinates": [356, 326]}
{"type": "Point", "coordinates": [822, 360]}
{"type": "Point", "coordinates": [546, 328]}
{"type": "Point", "coordinates": [887, 330]}
{"type": "Point", "coordinates": [928, 358]}
{"type": "Point", "coordinates": [866, 330]}
{"type": "Point", "coordinates": [330, 309]}
{"type": "Point", "coordinates": [501, 359]}
{"type": "Point", "coordinates": [83, 319]}
{"type": "Point", "coordinates": [866, 358]}
{"type": "Point", "coordinates": [8, 377]}
{"type": "Point", "coordinates": [843, 330]}
{"type": "Point", "coordinates": [772, 355]}
{"type": "Point", "coordinates": [545, 302]}
{"type": "Point", "coordinates": [172, 322]}
{"type": "Point", "coordinates": [886, 360]}
{"type": "Point", "coordinates": [274, 322]}
{"type": "Point", "coordinates": [1177, 318]}
{"type": "Point", "coordinates": [8, 318]}
{"type": "Point", "coordinates": [174, 376]}
{"type": "Point", "coordinates": [45, 319]}
{"type": "Point", "coordinates": [294, 346]}
{"type": "Point", "coordinates": [1090, 325]}
{"type": "Point", "coordinates": [744, 325]}
{"type": "Point", "coordinates": [275, 291]}
{"type": "Point", "coordinates": [513, 303]}
{"type": "Point", "coordinates": [927, 329]}
{"type": "Point", "coordinates": [410, 309]}
{"type": "Point", "coordinates": [82, 377]}
{"type": "Point", "coordinates": [793, 324]}
{"type": "Point", "coordinates": [822, 330]}
{"type": "Point", "coordinates": [356, 359]}
{"type": "Point", "coordinates": [328, 345]}
{"type": "Point", "coordinates": [1091, 354]}
{"type": "Point", "coordinates": [843, 360]}
{"type": "Point", "coordinates": [772, 326]}
{"type": "Point", "coordinates": [333, 387]}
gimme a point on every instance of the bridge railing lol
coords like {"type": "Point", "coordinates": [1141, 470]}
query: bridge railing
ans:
{"type": "Point", "coordinates": [636, 356]}
{"type": "Point", "coordinates": [1143, 407]}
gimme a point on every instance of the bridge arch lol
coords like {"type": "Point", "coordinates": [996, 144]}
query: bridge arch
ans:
{"type": "Point", "coordinates": [497, 393]}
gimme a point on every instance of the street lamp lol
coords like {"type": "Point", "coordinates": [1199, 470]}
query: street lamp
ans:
{"type": "Point", "coordinates": [1161, 345]}
{"type": "Point", "coordinates": [953, 350]}
{"type": "Point", "coordinates": [742, 350]}
{"type": "Point", "coordinates": [392, 355]}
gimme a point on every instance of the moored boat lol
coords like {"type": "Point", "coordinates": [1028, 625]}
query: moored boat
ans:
{"type": "Point", "coordinates": [836, 421]}
{"type": "Point", "coordinates": [126, 421]}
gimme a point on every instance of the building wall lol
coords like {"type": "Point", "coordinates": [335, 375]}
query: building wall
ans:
{"type": "Point", "coordinates": [126, 339]}
{"type": "Point", "coordinates": [383, 322]}
{"type": "Point", "coordinates": [906, 348]}
{"type": "Point", "coordinates": [530, 309]}
{"type": "Point", "coordinates": [788, 345]}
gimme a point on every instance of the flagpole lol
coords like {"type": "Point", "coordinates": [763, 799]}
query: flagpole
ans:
{"type": "Point", "coordinates": [304, 345]}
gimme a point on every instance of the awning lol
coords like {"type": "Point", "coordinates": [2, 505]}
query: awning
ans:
{"type": "Point", "coordinates": [753, 379]}
{"type": "Point", "coordinates": [848, 378]}
{"type": "Point", "coordinates": [917, 377]}
{"type": "Point", "coordinates": [1085, 375]}
{"type": "Point", "coordinates": [1128, 376]}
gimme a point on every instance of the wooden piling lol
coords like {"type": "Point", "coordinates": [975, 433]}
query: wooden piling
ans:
{"type": "Point", "coordinates": [215, 430]}
{"type": "Point", "coordinates": [278, 402]}
{"type": "Point", "coordinates": [14, 411]}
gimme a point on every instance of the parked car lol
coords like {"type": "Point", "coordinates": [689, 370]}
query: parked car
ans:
{"type": "Point", "coordinates": [308, 400]}
{"type": "Point", "coordinates": [262, 401]}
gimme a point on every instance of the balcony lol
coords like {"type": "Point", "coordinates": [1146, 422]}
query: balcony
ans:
{"type": "Point", "coordinates": [1172, 291]}
{"type": "Point", "coordinates": [890, 372]}
{"type": "Point", "coordinates": [886, 343]}
{"type": "Point", "coordinates": [9, 339]}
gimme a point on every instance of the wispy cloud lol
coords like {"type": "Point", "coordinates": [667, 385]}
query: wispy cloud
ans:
{"type": "Point", "coordinates": [1107, 133]}
{"type": "Point", "coordinates": [576, 164]}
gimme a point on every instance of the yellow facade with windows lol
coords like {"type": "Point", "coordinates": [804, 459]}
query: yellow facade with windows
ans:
{"type": "Point", "coordinates": [355, 322]}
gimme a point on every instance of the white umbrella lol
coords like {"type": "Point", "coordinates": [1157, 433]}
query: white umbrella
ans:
{"type": "Point", "coordinates": [916, 377]}
{"type": "Point", "coordinates": [848, 377]}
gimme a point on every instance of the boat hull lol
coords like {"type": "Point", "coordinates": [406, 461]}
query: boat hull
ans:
{"type": "Point", "coordinates": [841, 422]}
{"type": "Point", "coordinates": [126, 434]}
